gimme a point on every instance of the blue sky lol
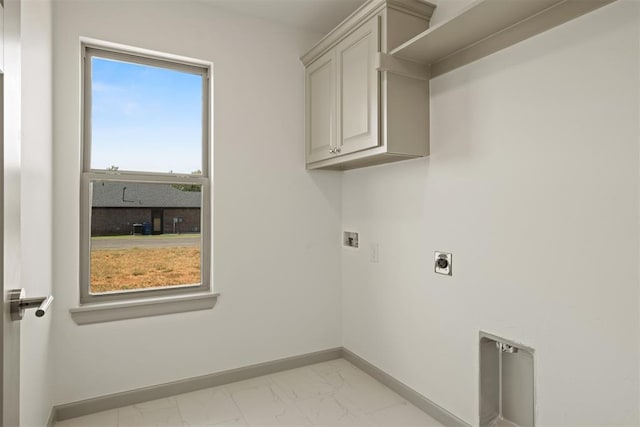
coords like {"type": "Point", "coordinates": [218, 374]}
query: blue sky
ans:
{"type": "Point", "coordinates": [145, 118]}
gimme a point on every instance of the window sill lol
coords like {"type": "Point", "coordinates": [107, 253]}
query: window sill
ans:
{"type": "Point", "coordinates": [108, 312]}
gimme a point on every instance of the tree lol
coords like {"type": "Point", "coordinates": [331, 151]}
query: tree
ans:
{"type": "Point", "coordinates": [189, 187]}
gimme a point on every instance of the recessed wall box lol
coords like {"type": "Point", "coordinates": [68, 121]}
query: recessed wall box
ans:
{"type": "Point", "coordinates": [350, 239]}
{"type": "Point", "coordinates": [506, 383]}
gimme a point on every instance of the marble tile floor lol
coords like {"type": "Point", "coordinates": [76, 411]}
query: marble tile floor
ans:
{"type": "Point", "coordinates": [334, 393]}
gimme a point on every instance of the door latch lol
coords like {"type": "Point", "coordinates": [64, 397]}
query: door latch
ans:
{"type": "Point", "coordinates": [18, 303]}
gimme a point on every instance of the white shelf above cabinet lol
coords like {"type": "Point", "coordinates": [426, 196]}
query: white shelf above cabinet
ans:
{"type": "Point", "coordinates": [487, 26]}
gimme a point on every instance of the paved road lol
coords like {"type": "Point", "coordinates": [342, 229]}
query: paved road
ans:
{"type": "Point", "coordinates": [127, 242]}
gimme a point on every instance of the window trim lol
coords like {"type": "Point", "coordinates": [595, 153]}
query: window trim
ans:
{"type": "Point", "coordinates": [143, 307]}
{"type": "Point", "coordinates": [88, 175]}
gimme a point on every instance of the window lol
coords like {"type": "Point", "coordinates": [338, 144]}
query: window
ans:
{"type": "Point", "coordinates": [145, 186]}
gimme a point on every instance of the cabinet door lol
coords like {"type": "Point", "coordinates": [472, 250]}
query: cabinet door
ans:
{"type": "Point", "coordinates": [358, 88]}
{"type": "Point", "coordinates": [321, 108]}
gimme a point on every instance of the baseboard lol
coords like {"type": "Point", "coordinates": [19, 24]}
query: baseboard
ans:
{"type": "Point", "coordinates": [52, 417]}
{"type": "Point", "coordinates": [118, 400]}
{"type": "Point", "coordinates": [433, 410]}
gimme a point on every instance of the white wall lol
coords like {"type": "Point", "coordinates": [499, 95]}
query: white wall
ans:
{"type": "Point", "coordinates": [532, 184]}
{"type": "Point", "coordinates": [276, 226]}
{"type": "Point", "coordinates": [37, 358]}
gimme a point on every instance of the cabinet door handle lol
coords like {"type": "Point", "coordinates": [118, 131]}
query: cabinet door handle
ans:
{"type": "Point", "coordinates": [332, 150]}
{"type": "Point", "coordinates": [337, 150]}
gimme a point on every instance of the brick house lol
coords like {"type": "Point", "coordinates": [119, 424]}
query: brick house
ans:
{"type": "Point", "coordinates": [120, 208]}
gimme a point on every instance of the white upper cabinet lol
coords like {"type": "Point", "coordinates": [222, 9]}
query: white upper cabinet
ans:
{"type": "Point", "coordinates": [321, 108]}
{"type": "Point", "coordinates": [358, 85]}
{"type": "Point", "coordinates": [364, 107]}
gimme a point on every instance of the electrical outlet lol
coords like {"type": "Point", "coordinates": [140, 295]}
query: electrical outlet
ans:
{"type": "Point", "coordinates": [442, 263]}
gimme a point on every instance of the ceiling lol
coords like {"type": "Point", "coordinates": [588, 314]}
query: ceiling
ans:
{"type": "Point", "coordinates": [320, 16]}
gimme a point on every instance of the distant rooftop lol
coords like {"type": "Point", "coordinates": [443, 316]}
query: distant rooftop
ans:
{"type": "Point", "coordinates": [108, 194]}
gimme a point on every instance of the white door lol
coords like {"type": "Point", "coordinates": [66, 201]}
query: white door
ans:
{"type": "Point", "coordinates": [358, 88]}
{"type": "Point", "coordinates": [10, 210]}
{"type": "Point", "coordinates": [321, 108]}
{"type": "Point", "coordinates": [10, 329]}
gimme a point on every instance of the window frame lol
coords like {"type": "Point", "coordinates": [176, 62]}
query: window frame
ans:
{"type": "Point", "coordinates": [89, 175]}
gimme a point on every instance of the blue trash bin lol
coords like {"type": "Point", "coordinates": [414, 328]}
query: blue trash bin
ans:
{"type": "Point", "coordinates": [146, 228]}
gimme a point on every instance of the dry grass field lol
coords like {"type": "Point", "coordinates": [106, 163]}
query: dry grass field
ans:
{"type": "Point", "coordinates": [134, 268]}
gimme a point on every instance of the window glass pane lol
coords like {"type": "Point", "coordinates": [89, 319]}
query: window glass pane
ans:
{"type": "Point", "coordinates": [144, 235]}
{"type": "Point", "coordinates": [145, 118]}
